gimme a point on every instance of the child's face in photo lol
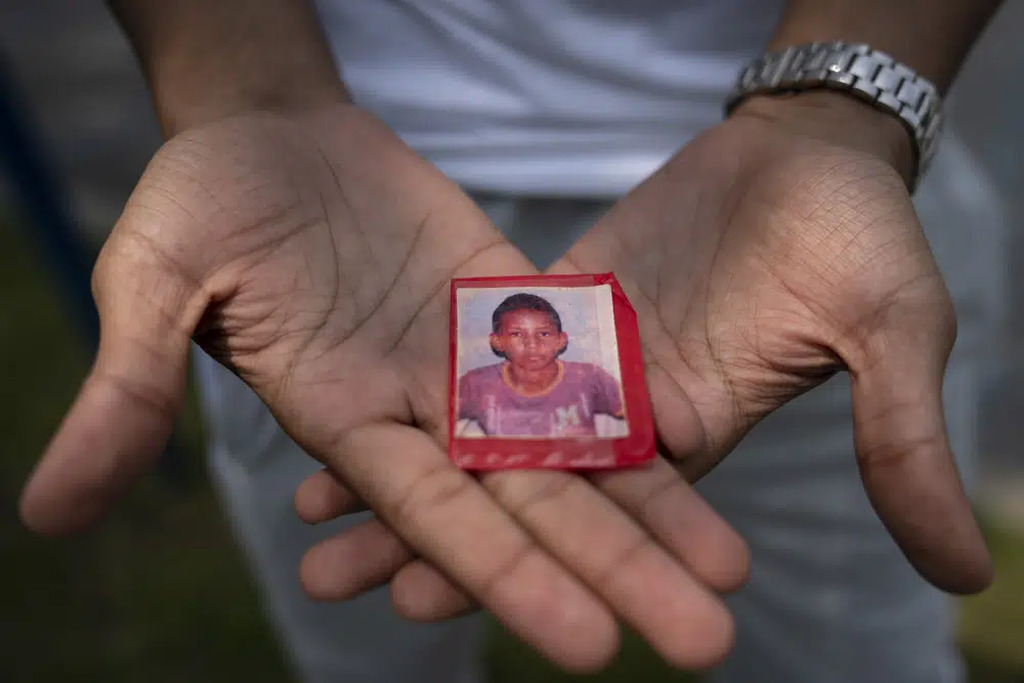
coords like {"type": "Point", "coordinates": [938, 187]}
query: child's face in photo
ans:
{"type": "Point", "coordinates": [529, 339]}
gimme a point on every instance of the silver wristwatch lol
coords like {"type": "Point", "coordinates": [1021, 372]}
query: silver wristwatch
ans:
{"type": "Point", "coordinates": [866, 73]}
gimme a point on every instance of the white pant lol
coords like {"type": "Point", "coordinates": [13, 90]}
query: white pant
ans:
{"type": "Point", "coordinates": [830, 598]}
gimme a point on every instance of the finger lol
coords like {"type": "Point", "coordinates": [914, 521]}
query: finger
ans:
{"type": "Point", "coordinates": [370, 555]}
{"type": "Point", "coordinates": [656, 496]}
{"type": "Point", "coordinates": [620, 562]}
{"type": "Point", "coordinates": [347, 565]}
{"type": "Point", "coordinates": [122, 416]}
{"type": "Point", "coordinates": [422, 593]}
{"type": "Point", "coordinates": [906, 462]}
{"type": "Point", "coordinates": [449, 520]}
{"type": "Point", "coordinates": [322, 497]}
{"type": "Point", "coordinates": [681, 520]}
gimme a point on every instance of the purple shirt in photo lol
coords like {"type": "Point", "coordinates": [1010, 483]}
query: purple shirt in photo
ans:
{"type": "Point", "coordinates": [566, 410]}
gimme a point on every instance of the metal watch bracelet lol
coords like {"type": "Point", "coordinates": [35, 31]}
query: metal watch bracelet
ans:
{"type": "Point", "coordinates": [860, 70]}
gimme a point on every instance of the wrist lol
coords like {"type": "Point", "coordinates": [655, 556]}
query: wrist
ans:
{"type": "Point", "coordinates": [206, 61]}
{"type": "Point", "coordinates": [183, 103]}
{"type": "Point", "coordinates": [839, 119]}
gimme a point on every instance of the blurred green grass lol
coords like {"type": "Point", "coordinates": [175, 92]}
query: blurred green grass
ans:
{"type": "Point", "coordinates": [160, 593]}
{"type": "Point", "coordinates": [991, 628]}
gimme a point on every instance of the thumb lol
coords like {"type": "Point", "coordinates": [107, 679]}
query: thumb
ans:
{"type": "Point", "coordinates": [904, 454]}
{"type": "Point", "coordinates": [122, 416]}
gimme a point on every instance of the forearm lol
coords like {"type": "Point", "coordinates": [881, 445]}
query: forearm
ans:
{"type": "Point", "coordinates": [206, 60]}
{"type": "Point", "coordinates": [933, 38]}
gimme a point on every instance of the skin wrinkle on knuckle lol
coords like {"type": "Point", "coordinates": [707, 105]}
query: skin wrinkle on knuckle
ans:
{"type": "Point", "coordinates": [504, 573]}
{"type": "Point", "coordinates": [520, 498]}
{"type": "Point", "coordinates": [332, 449]}
{"type": "Point", "coordinates": [644, 511]}
{"type": "Point", "coordinates": [155, 399]}
{"type": "Point", "coordinates": [619, 565]}
{"type": "Point", "coordinates": [671, 483]}
{"type": "Point", "coordinates": [439, 487]}
{"type": "Point", "coordinates": [443, 486]}
{"type": "Point", "coordinates": [889, 455]}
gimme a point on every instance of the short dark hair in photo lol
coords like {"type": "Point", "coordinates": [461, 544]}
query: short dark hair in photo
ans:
{"type": "Point", "coordinates": [524, 302]}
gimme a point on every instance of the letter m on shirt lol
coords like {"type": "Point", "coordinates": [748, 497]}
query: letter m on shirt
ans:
{"type": "Point", "coordinates": [566, 417]}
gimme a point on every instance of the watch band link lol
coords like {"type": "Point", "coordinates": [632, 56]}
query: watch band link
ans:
{"type": "Point", "coordinates": [857, 68]}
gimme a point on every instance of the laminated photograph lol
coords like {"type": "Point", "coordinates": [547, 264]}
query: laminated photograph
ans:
{"type": "Point", "coordinates": [546, 372]}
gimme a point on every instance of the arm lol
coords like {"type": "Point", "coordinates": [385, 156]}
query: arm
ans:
{"type": "Point", "coordinates": [790, 251]}
{"type": "Point", "coordinates": [206, 60]}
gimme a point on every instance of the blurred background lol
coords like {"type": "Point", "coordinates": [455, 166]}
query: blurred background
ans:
{"type": "Point", "coordinates": [160, 592]}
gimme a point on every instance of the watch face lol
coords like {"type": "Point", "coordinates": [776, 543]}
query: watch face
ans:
{"type": "Point", "coordinates": [546, 371]}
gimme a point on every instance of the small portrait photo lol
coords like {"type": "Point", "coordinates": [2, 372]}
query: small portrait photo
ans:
{"type": "Point", "coordinates": [537, 362]}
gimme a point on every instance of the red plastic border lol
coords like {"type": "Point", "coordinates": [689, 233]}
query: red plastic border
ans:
{"type": "Point", "coordinates": [635, 448]}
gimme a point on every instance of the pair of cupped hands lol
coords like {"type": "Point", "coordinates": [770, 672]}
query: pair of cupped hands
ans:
{"type": "Point", "coordinates": [311, 252]}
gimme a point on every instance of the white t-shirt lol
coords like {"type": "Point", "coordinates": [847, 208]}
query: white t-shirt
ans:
{"type": "Point", "coordinates": [551, 97]}
{"type": "Point", "coordinates": [586, 98]}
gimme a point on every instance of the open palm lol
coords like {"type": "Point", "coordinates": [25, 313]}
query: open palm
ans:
{"type": "Point", "coordinates": [311, 254]}
{"type": "Point", "coordinates": [761, 260]}
{"type": "Point", "coordinates": [781, 259]}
